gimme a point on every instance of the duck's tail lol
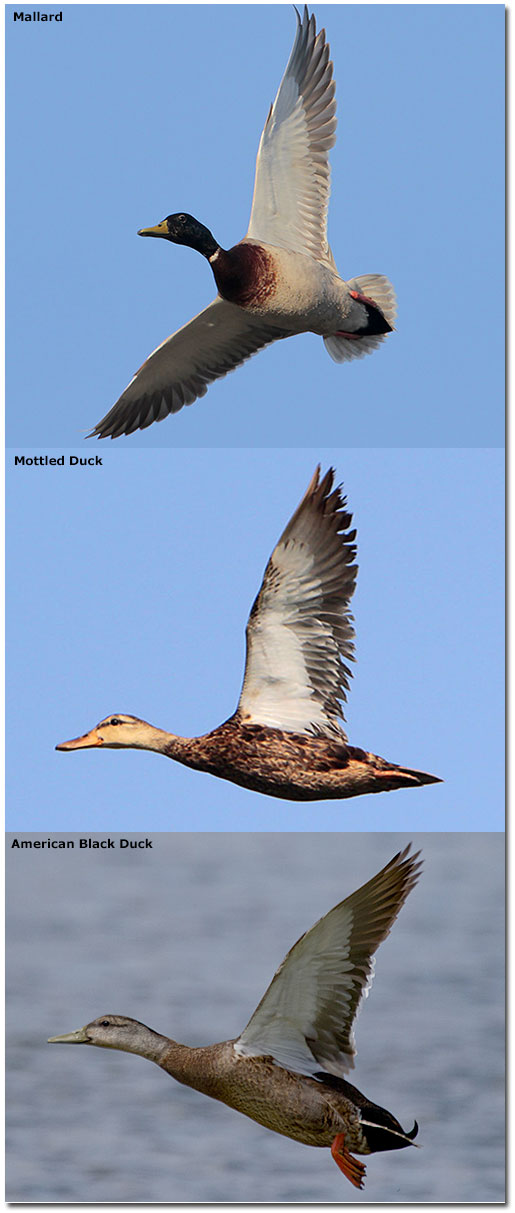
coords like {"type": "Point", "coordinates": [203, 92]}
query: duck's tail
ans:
{"type": "Point", "coordinates": [385, 1133]}
{"type": "Point", "coordinates": [377, 292]}
{"type": "Point", "coordinates": [390, 777]}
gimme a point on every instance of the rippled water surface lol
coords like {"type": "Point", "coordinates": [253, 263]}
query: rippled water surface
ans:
{"type": "Point", "coordinates": [186, 937]}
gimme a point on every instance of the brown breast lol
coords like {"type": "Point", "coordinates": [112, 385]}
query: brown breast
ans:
{"type": "Point", "coordinates": [245, 275]}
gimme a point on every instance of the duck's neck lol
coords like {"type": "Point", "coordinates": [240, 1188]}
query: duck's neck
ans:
{"type": "Point", "coordinates": [179, 1061]}
{"type": "Point", "coordinates": [147, 737]}
{"type": "Point", "coordinates": [153, 1046]}
{"type": "Point", "coordinates": [188, 1065]}
{"type": "Point", "coordinates": [188, 750]}
{"type": "Point", "coordinates": [206, 244]}
{"type": "Point", "coordinates": [203, 1068]}
{"type": "Point", "coordinates": [176, 1059]}
{"type": "Point", "coordinates": [191, 1066]}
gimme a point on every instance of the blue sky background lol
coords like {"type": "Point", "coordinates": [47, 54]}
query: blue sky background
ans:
{"type": "Point", "coordinates": [123, 114]}
{"type": "Point", "coordinates": [130, 587]}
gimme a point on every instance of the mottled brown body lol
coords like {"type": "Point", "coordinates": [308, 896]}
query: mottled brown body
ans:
{"type": "Point", "coordinates": [285, 1070]}
{"type": "Point", "coordinates": [288, 1103]}
{"type": "Point", "coordinates": [246, 275]}
{"type": "Point", "coordinates": [292, 766]}
{"type": "Point", "coordinates": [285, 737]}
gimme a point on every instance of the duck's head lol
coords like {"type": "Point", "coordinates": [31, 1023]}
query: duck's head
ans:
{"type": "Point", "coordinates": [116, 1032]}
{"type": "Point", "coordinates": [116, 732]}
{"type": "Point", "coordinates": [184, 229]}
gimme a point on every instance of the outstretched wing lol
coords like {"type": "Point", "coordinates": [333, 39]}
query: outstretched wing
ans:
{"type": "Point", "coordinates": [215, 342]}
{"type": "Point", "coordinates": [291, 191]}
{"type": "Point", "coordinates": [305, 1019]}
{"type": "Point", "coordinates": [300, 633]}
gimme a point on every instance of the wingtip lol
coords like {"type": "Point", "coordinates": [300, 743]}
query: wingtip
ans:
{"type": "Point", "coordinates": [315, 480]}
{"type": "Point", "coordinates": [97, 433]}
{"type": "Point", "coordinates": [408, 859]}
{"type": "Point", "coordinates": [318, 479]}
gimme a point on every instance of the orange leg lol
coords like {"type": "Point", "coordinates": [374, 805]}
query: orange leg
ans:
{"type": "Point", "coordinates": [352, 1169]}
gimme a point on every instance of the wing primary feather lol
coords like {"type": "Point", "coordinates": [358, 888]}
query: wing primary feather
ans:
{"type": "Point", "coordinates": [292, 182]}
{"type": "Point", "coordinates": [300, 634]}
{"type": "Point", "coordinates": [215, 342]}
{"type": "Point", "coordinates": [305, 1019]}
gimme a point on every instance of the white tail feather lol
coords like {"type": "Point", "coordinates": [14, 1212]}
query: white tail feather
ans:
{"type": "Point", "coordinates": [380, 289]}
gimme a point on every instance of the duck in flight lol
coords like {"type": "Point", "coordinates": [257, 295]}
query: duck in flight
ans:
{"type": "Point", "coordinates": [285, 738]}
{"type": "Point", "coordinates": [286, 1070]}
{"type": "Point", "coordinates": [281, 279]}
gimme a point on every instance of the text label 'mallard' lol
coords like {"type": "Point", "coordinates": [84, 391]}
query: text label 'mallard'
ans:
{"type": "Point", "coordinates": [37, 16]}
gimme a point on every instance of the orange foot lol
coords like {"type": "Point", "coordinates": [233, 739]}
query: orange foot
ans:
{"type": "Point", "coordinates": [352, 1169]}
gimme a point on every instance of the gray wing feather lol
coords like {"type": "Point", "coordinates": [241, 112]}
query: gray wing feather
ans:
{"type": "Point", "coordinates": [305, 1019]}
{"type": "Point", "coordinates": [215, 342]}
{"type": "Point", "coordinates": [292, 185]}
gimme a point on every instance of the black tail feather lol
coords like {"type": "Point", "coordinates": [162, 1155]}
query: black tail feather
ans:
{"type": "Point", "coordinates": [376, 322]}
{"type": "Point", "coordinates": [381, 1130]}
{"type": "Point", "coordinates": [387, 1133]}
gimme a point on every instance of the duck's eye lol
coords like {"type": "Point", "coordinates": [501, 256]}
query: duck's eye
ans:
{"type": "Point", "coordinates": [106, 1023]}
{"type": "Point", "coordinates": [115, 720]}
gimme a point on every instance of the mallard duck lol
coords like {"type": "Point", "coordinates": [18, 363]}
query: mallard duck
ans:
{"type": "Point", "coordinates": [281, 279]}
{"type": "Point", "coordinates": [285, 738]}
{"type": "Point", "coordinates": [286, 1069]}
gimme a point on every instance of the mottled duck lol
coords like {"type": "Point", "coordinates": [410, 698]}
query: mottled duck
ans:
{"type": "Point", "coordinates": [285, 738]}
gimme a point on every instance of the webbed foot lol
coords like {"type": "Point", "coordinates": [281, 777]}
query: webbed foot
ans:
{"type": "Point", "coordinates": [352, 1169]}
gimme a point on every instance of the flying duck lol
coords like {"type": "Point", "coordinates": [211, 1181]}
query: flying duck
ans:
{"type": "Point", "coordinates": [281, 279]}
{"type": "Point", "coordinates": [287, 1068]}
{"type": "Point", "coordinates": [285, 738]}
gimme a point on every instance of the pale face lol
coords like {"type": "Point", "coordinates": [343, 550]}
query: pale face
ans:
{"type": "Point", "coordinates": [114, 732]}
{"type": "Point", "coordinates": [107, 1032]}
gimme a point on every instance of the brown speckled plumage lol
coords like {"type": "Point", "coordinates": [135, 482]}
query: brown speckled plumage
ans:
{"type": "Point", "coordinates": [289, 765]}
{"type": "Point", "coordinates": [286, 738]}
{"type": "Point", "coordinates": [294, 1105]}
{"type": "Point", "coordinates": [285, 1070]}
